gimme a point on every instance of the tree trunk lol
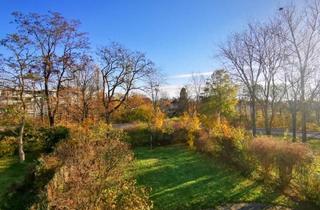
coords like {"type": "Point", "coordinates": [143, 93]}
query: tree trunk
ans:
{"type": "Point", "coordinates": [304, 124]}
{"type": "Point", "coordinates": [303, 110]}
{"type": "Point", "coordinates": [51, 119]}
{"type": "Point", "coordinates": [317, 115]}
{"type": "Point", "coordinates": [253, 116]}
{"type": "Point", "coordinates": [21, 152]}
{"type": "Point", "coordinates": [47, 98]}
{"type": "Point", "coordinates": [294, 122]}
{"type": "Point", "coordinates": [151, 140]}
{"type": "Point", "coordinates": [266, 120]}
{"type": "Point", "coordinates": [107, 117]}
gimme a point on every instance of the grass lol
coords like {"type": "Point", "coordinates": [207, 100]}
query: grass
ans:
{"type": "Point", "coordinates": [12, 171]}
{"type": "Point", "coordinates": [183, 179]}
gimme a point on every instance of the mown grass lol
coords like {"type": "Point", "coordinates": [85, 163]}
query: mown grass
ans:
{"type": "Point", "coordinates": [12, 171]}
{"type": "Point", "coordinates": [183, 179]}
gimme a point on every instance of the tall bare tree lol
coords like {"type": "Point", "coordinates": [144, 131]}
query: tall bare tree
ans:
{"type": "Point", "coordinates": [292, 92]}
{"type": "Point", "coordinates": [122, 71]}
{"type": "Point", "coordinates": [85, 84]}
{"type": "Point", "coordinates": [270, 52]}
{"type": "Point", "coordinates": [58, 43]}
{"type": "Point", "coordinates": [239, 56]}
{"type": "Point", "coordinates": [303, 37]}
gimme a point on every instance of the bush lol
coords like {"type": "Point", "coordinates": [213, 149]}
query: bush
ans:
{"type": "Point", "coordinates": [139, 136]}
{"type": "Point", "coordinates": [8, 146]}
{"type": "Point", "coordinates": [51, 136]}
{"type": "Point", "coordinates": [228, 144]}
{"type": "Point", "coordinates": [280, 157]}
{"type": "Point", "coordinates": [89, 173]}
{"type": "Point", "coordinates": [35, 139]}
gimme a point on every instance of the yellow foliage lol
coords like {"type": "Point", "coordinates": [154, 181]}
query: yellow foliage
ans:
{"type": "Point", "coordinates": [191, 123]}
{"type": "Point", "coordinates": [157, 120]}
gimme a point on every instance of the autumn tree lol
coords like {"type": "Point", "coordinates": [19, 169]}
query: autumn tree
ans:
{"type": "Point", "coordinates": [57, 43]}
{"type": "Point", "coordinates": [18, 69]}
{"type": "Point", "coordinates": [122, 71]}
{"type": "Point", "coordinates": [219, 98]}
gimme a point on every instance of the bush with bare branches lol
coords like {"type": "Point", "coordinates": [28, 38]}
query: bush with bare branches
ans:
{"type": "Point", "coordinates": [280, 159]}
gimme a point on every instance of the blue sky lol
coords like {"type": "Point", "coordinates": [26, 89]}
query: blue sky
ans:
{"type": "Point", "coordinates": [180, 36]}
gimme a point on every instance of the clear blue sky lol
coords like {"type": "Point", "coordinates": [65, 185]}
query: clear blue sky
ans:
{"type": "Point", "coordinates": [180, 36]}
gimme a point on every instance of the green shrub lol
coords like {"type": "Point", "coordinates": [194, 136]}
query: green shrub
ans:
{"type": "Point", "coordinates": [51, 136]}
{"type": "Point", "coordinates": [139, 136]}
{"type": "Point", "coordinates": [35, 139]}
{"type": "Point", "coordinates": [8, 146]}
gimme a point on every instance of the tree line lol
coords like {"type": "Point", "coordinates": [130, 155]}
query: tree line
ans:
{"type": "Point", "coordinates": [278, 61]}
{"type": "Point", "coordinates": [48, 56]}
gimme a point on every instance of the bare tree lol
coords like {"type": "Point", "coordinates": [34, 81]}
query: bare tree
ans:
{"type": "Point", "coordinates": [154, 80]}
{"type": "Point", "coordinates": [122, 71]}
{"type": "Point", "coordinates": [303, 37]}
{"type": "Point", "coordinates": [270, 52]}
{"type": "Point", "coordinates": [197, 84]}
{"type": "Point", "coordinates": [58, 43]}
{"type": "Point", "coordinates": [239, 54]}
{"type": "Point", "coordinates": [292, 91]}
{"type": "Point", "coordinates": [85, 85]}
{"type": "Point", "coordinates": [18, 69]}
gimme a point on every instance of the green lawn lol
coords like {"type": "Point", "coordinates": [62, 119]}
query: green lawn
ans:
{"type": "Point", "coordinates": [183, 179]}
{"type": "Point", "coordinates": [12, 171]}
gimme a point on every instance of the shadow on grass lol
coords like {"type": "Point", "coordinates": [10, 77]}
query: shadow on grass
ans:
{"type": "Point", "coordinates": [19, 185]}
{"type": "Point", "coordinates": [183, 179]}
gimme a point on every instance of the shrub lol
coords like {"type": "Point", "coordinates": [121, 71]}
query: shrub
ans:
{"type": "Point", "coordinates": [227, 143]}
{"type": "Point", "coordinates": [8, 146]}
{"type": "Point", "coordinates": [51, 136]}
{"type": "Point", "coordinates": [89, 174]}
{"type": "Point", "coordinates": [138, 136]}
{"type": "Point", "coordinates": [308, 181]}
{"type": "Point", "coordinates": [185, 130]}
{"type": "Point", "coordinates": [281, 157]}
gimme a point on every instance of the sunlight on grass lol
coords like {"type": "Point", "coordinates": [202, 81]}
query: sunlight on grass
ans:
{"type": "Point", "coordinates": [183, 179]}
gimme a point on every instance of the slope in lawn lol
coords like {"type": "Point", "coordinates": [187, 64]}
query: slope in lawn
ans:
{"type": "Point", "coordinates": [183, 179]}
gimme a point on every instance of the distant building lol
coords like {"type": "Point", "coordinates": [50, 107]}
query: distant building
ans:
{"type": "Point", "coordinates": [34, 100]}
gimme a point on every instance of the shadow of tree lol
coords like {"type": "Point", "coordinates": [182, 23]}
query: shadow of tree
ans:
{"type": "Point", "coordinates": [183, 179]}
{"type": "Point", "coordinates": [23, 192]}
